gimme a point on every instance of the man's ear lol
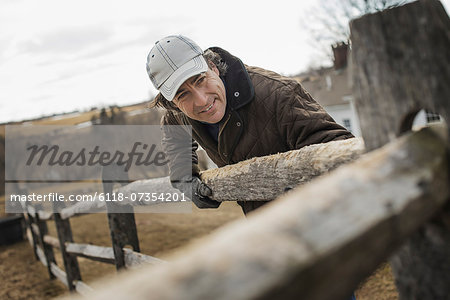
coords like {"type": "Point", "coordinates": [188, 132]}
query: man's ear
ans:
{"type": "Point", "coordinates": [174, 104]}
{"type": "Point", "coordinates": [213, 67]}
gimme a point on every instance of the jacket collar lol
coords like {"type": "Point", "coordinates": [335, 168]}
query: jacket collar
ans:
{"type": "Point", "coordinates": [239, 91]}
{"type": "Point", "coordinates": [238, 86]}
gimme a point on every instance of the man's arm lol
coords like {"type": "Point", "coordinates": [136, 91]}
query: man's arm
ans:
{"type": "Point", "coordinates": [302, 121]}
{"type": "Point", "coordinates": [179, 147]}
{"type": "Point", "coordinates": [181, 150]}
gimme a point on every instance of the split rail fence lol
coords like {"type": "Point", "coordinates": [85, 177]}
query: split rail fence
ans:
{"type": "Point", "coordinates": [321, 239]}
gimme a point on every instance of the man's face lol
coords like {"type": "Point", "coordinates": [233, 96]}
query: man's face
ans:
{"type": "Point", "coordinates": [202, 97]}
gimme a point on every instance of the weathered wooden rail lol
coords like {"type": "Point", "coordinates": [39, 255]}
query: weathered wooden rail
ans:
{"type": "Point", "coordinates": [313, 242]}
{"type": "Point", "coordinates": [319, 240]}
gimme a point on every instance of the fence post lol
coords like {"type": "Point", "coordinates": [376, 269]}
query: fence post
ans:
{"type": "Point", "coordinates": [28, 221]}
{"type": "Point", "coordinates": [65, 235]}
{"type": "Point", "coordinates": [121, 219]}
{"type": "Point", "coordinates": [48, 249]}
{"type": "Point", "coordinates": [400, 66]}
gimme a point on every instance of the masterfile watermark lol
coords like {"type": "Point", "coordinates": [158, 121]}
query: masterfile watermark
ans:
{"type": "Point", "coordinates": [141, 197]}
{"type": "Point", "coordinates": [90, 158]}
{"type": "Point", "coordinates": [68, 167]}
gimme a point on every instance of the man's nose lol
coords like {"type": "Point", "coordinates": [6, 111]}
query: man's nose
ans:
{"type": "Point", "coordinates": [200, 98]}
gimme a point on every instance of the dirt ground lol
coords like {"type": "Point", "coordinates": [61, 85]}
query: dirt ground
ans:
{"type": "Point", "coordinates": [23, 277]}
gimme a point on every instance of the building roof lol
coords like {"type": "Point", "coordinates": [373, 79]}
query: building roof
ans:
{"type": "Point", "coordinates": [327, 86]}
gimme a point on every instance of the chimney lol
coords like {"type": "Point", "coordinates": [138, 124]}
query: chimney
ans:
{"type": "Point", "coordinates": [340, 51]}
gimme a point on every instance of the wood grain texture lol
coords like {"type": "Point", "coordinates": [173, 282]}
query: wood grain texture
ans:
{"type": "Point", "coordinates": [258, 179]}
{"type": "Point", "coordinates": [106, 254]}
{"type": "Point", "coordinates": [265, 178]}
{"type": "Point", "coordinates": [401, 64]}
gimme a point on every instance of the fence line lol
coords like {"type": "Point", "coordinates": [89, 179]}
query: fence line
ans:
{"type": "Point", "coordinates": [337, 229]}
{"type": "Point", "coordinates": [367, 202]}
{"type": "Point", "coordinates": [43, 245]}
{"type": "Point", "coordinates": [321, 159]}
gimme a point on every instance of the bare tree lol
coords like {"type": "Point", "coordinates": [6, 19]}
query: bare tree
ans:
{"type": "Point", "coordinates": [327, 22]}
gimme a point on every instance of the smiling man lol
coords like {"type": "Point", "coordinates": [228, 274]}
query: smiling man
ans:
{"type": "Point", "coordinates": [202, 97]}
{"type": "Point", "coordinates": [236, 111]}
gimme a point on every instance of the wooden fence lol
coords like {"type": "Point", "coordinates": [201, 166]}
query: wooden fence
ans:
{"type": "Point", "coordinates": [123, 233]}
{"type": "Point", "coordinates": [319, 240]}
{"type": "Point", "coordinates": [122, 226]}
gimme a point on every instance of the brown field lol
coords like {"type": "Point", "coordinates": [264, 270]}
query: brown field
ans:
{"type": "Point", "coordinates": [76, 118]}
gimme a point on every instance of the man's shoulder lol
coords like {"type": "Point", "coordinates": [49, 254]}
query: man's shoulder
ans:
{"type": "Point", "coordinates": [266, 79]}
{"type": "Point", "coordinates": [269, 84]}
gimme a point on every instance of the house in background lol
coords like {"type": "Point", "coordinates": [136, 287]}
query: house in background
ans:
{"type": "Point", "coordinates": [331, 88]}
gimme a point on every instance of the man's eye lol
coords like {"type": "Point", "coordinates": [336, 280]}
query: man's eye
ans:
{"type": "Point", "coordinates": [181, 96]}
{"type": "Point", "coordinates": [201, 79]}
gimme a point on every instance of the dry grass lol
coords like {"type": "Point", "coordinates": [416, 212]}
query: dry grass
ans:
{"type": "Point", "coordinates": [75, 118]}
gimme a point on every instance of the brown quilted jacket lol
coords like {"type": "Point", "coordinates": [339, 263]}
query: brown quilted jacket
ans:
{"type": "Point", "coordinates": [266, 114]}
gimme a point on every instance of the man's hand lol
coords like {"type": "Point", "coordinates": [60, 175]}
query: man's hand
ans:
{"type": "Point", "coordinates": [192, 185]}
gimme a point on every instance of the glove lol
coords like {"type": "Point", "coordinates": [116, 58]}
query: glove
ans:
{"type": "Point", "coordinates": [192, 185]}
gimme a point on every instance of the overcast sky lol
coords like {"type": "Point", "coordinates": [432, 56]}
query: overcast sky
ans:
{"type": "Point", "coordinates": [59, 56]}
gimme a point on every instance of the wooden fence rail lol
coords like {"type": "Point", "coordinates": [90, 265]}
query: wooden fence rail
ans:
{"type": "Point", "coordinates": [313, 242]}
{"type": "Point", "coordinates": [319, 240]}
{"type": "Point", "coordinates": [311, 162]}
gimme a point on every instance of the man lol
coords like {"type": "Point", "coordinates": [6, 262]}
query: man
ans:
{"type": "Point", "coordinates": [236, 111]}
